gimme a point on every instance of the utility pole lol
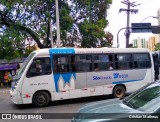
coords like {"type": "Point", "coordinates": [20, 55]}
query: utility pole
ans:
{"type": "Point", "coordinates": [57, 23]}
{"type": "Point", "coordinates": [128, 11]}
{"type": "Point", "coordinates": [51, 35]}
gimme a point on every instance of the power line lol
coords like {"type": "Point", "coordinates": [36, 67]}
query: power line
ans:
{"type": "Point", "coordinates": [128, 11]}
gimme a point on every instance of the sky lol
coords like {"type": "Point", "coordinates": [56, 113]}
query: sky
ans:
{"type": "Point", "coordinates": [119, 20]}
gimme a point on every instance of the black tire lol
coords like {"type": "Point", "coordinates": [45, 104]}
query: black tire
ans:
{"type": "Point", "coordinates": [119, 91]}
{"type": "Point", "coordinates": [41, 99]}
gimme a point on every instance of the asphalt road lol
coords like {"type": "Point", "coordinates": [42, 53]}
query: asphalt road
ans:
{"type": "Point", "coordinates": [65, 106]}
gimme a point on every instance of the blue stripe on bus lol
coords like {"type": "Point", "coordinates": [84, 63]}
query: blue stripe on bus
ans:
{"type": "Point", "coordinates": [66, 77]}
{"type": "Point", "coordinates": [119, 82]}
{"type": "Point", "coordinates": [62, 51]}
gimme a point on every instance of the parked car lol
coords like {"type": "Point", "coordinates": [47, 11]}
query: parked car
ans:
{"type": "Point", "coordinates": [143, 105]}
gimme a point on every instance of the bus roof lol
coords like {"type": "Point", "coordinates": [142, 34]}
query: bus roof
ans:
{"type": "Point", "coordinates": [90, 50]}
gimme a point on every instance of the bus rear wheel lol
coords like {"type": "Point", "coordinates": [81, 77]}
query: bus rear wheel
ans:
{"type": "Point", "coordinates": [41, 99]}
{"type": "Point", "coordinates": [119, 91]}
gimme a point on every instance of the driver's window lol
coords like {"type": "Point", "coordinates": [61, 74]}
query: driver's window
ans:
{"type": "Point", "coordinates": [40, 66]}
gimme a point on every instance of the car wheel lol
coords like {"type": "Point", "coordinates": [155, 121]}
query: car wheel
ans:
{"type": "Point", "coordinates": [41, 99]}
{"type": "Point", "coordinates": [119, 91]}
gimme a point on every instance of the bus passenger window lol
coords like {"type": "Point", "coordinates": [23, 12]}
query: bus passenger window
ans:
{"type": "Point", "coordinates": [110, 66]}
{"type": "Point", "coordinates": [141, 60]}
{"type": "Point", "coordinates": [135, 64]}
{"type": "Point", "coordinates": [81, 63]}
{"type": "Point", "coordinates": [123, 61]}
{"type": "Point", "coordinates": [103, 62]}
{"type": "Point", "coordinates": [96, 68]}
{"type": "Point", "coordinates": [61, 64]}
{"type": "Point", "coordinates": [73, 64]}
{"type": "Point", "coordinates": [73, 68]}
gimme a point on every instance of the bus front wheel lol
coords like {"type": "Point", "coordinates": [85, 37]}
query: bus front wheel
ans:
{"type": "Point", "coordinates": [41, 99]}
{"type": "Point", "coordinates": [119, 91]}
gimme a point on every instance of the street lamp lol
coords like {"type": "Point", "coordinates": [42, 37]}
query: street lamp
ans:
{"type": "Point", "coordinates": [118, 45]}
{"type": "Point", "coordinates": [149, 17]}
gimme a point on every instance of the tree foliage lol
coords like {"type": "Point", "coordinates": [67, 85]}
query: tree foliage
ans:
{"type": "Point", "coordinates": [81, 21]}
{"type": "Point", "coordinates": [10, 48]}
{"type": "Point", "coordinates": [157, 47]}
{"type": "Point", "coordinates": [90, 18]}
{"type": "Point", "coordinates": [32, 18]}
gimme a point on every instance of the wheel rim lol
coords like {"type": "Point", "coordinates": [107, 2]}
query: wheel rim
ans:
{"type": "Point", "coordinates": [119, 92]}
{"type": "Point", "coordinates": [41, 100]}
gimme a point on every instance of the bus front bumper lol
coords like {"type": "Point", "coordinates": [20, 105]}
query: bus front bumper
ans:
{"type": "Point", "coordinates": [15, 97]}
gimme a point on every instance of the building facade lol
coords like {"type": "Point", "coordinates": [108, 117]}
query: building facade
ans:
{"type": "Point", "coordinates": [158, 16]}
{"type": "Point", "coordinates": [151, 43]}
{"type": "Point", "coordinates": [140, 43]}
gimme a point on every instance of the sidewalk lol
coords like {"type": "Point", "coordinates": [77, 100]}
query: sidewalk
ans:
{"type": "Point", "coordinates": [4, 90]}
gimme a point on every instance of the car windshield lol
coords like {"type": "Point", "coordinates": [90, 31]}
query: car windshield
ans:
{"type": "Point", "coordinates": [146, 99]}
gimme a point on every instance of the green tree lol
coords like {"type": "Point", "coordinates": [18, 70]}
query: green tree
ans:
{"type": "Point", "coordinates": [32, 18]}
{"type": "Point", "coordinates": [157, 47]}
{"type": "Point", "coordinates": [11, 47]}
{"type": "Point", "coordinates": [28, 50]}
{"type": "Point", "coordinates": [81, 21]}
{"type": "Point", "coordinates": [90, 18]}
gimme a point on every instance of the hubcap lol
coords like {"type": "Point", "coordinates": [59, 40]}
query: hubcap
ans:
{"type": "Point", "coordinates": [119, 93]}
{"type": "Point", "coordinates": [41, 99]}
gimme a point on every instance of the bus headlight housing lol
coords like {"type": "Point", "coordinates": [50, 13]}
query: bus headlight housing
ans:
{"type": "Point", "coordinates": [14, 83]}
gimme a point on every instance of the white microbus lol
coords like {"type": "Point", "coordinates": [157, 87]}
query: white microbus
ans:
{"type": "Point", "coordinates": [66, 73]}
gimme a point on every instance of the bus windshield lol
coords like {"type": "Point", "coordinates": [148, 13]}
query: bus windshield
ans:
{"type": "Point", "coordinates": [20, 72]}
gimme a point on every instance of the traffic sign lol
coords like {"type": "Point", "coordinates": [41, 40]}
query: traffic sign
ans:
{"type": "Point", "coordinates": [156, 29]}
{"type": "Point", "coordinates": [141, 28]}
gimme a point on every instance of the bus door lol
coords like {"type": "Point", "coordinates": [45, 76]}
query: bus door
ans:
{"type": "Point", "coordinates": [69, 76]}
{"type": "Point", "coordinates": [62, 77]}
{"type": "Point", "coordinates": [38, 77]}
{"type": "Point", "coordinates": [156, 65]}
